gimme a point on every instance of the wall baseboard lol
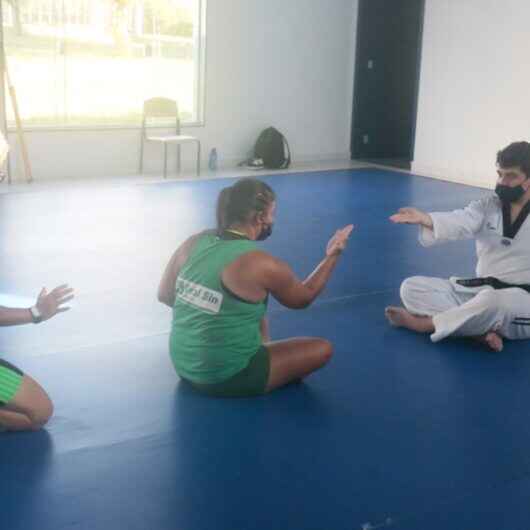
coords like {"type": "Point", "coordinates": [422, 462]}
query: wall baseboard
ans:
{"type": "Point", "coordinates": [450, 176]}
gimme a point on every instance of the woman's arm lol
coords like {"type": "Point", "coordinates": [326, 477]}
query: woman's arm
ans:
{"type": "Point", "coordinates": [285, 287]}
{"type": "Point", "coordinates": [13, 316]}
{"type": "Point", "coordinates": [278, 278]}
{"type": "Point", "coordinates": [47, 305]}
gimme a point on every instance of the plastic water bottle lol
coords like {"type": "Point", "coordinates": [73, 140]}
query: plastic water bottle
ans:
{"type": "Point", "coordinates": [212, 161]}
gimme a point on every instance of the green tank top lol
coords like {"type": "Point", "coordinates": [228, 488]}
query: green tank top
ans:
{"type": "Point", "coordinates": [214, 334]}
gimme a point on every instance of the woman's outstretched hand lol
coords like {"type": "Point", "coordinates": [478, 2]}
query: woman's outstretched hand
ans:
{"type": "Point", "coordinates": [49, 304]}
{"type": "Point", "coordinates": [339, 241]}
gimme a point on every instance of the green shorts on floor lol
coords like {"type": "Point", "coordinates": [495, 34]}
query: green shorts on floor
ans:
{"type": "Point", "coordinates": [10, 381]}
{"type": "Point", "coordinates": [251, 381]}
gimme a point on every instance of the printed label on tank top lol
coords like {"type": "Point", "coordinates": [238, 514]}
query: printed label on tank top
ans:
{"type": "Point", "coordinates": [199, 296]}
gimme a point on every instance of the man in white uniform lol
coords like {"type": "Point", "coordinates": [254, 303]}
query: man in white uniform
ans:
{"type": "Point", "coordinates": [496, 304]}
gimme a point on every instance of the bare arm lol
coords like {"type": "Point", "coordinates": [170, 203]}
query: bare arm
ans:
{"type": "Point", "coordinates": [47, 305]}
{"type": "Point", "coordinates": [13, 316]}
{"type": "Point", "coordinates": [281, 282]}
{"type": "Point", "coordinates": [166, 289]}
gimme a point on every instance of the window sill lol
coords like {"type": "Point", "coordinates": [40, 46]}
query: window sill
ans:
{"type": "Point", "coordinates": [88, 128]}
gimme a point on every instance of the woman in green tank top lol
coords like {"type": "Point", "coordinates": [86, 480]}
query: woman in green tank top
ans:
{"type": "Point", "coordinates": [218, 283]}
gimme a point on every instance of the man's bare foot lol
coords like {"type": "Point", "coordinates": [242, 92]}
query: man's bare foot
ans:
{"type": "Point", "coordinates": [492, 340]}
{"type": "Point", "coordinates": [401, 318]}
{"type": "Point", "coordinates": [397, 316]}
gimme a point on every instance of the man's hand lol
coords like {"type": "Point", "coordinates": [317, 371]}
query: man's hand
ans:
{"type": "Point", "coordinates": [412, 216]}
{"type": "Point", "coordinates": [338, 242]}
{"type": "Point", "coordinates": [49, 304]}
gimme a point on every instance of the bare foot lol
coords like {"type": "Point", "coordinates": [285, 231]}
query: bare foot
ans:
{"type": "Point", "coordinates": [401, 318]}
{"type": "Point", "coordinates": [492, 340]}
{"type": "Point", "coordinates": [397, 316]}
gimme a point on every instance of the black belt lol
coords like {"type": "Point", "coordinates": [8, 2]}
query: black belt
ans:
{"type": "Point", "coordinates": [493, 282]}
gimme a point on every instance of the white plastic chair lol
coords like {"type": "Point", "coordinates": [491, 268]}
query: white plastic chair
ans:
{"type": "Point", "coordinates": [165, 108]}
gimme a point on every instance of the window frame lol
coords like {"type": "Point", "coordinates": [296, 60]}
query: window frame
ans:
{"type": "Point", "coordinates": [199, 94]}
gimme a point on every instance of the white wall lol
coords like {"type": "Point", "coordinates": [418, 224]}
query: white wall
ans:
{"type": "Point", "coordinates": [287, 63]}
{"type": "Point", "coordinates": [474, 87]}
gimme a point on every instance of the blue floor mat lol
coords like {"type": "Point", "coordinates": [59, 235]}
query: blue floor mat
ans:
{"type": "Point", "coordinates": [395, 429]}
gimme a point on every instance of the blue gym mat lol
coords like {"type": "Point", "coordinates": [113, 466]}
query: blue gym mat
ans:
{"type": "Point", "coordinates": [395, 432]}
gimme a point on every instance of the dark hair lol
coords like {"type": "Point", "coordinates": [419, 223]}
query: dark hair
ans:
{"type": "Point", "coordinates": [516, 154]}
{"type": "Point", "coordinates": [240, 202]}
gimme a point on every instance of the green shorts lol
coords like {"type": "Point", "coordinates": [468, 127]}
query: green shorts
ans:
{"type": "Point", "coordinates": [251, 381]}
{"type": "Point", "coordinates": [10, 381]}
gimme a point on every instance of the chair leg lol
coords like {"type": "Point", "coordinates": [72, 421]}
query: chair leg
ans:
{"type": "Point", "coordinates": [198, 159]}
{"type": "Point", "coordinates": [178, 160]}
{"type": "Point", "coordinates": [165, 160]}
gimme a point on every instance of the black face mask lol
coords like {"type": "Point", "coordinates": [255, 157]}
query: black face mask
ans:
{"type": "Point", "coordinates": [508, 194]}
{"type": "Point", "coordinates": [266, 231]}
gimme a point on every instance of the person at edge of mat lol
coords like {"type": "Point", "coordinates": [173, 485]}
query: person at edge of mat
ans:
{"type": "Point", "coordinates": [496, 304]}
{"type": "Point", "coordinates": [24, 405]}
{"type": "Point", "coordinates": [218, 282]}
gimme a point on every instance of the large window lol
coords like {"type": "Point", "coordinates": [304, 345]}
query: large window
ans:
{"type": "Point", "coordinates": [83, 63]}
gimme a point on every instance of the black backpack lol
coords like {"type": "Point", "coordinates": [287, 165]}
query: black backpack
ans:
{"type": "Point", "coordinates": [272, 147]}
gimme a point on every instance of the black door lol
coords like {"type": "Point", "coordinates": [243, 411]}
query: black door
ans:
{"type": "Point", "coordinates": [386, 80]}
